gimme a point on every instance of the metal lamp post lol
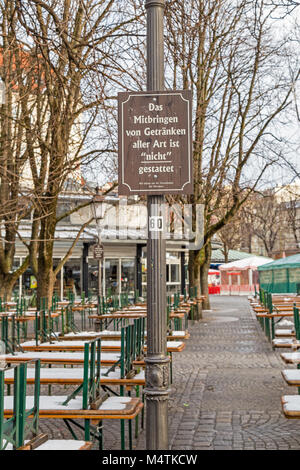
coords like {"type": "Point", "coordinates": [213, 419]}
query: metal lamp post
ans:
{"type": "Point", "coordinates": [157, 360]}
{"type": "Point", "coordinates": [98, 210]}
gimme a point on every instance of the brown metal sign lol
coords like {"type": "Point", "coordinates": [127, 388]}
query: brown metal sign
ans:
{"type": "Point", "coordinates": [155, 142]}
{"type": "Point", "coordinates": [98, 251]}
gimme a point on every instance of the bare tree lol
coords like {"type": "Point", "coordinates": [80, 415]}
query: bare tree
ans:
{"type": "Point", "coordinates": [15, 201]}
{"type": "Point", "coordinates": [230, 237]}
{"type": "Point", "coordinates": [224, 52]}
{"type": "Point", "coordinates": [268, 220]}
{"type": "Point", "coordinates": [75, 46]}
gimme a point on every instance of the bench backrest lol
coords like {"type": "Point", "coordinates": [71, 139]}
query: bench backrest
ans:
{"type": "Point", "coordinates": [91, 387]}
{"type": "Point", "coordinates": [296, 322]}
{"type": "Point", "coordinates": [16, 429]}
{"type": "Point", "coordinates": [9, 333]}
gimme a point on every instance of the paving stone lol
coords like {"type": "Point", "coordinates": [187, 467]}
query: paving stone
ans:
{"type": "Point", "coordinates": [231, 380]}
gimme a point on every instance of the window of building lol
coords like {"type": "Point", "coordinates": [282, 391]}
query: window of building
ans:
{"type": "Point", "coordinates": [128, 276]}
{"type": "Point", "coordinates": [111, 276]}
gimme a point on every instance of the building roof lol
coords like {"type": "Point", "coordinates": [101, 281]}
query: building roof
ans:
{"type": "Point", "coordinates": [251, 262]}
{"type": "Point", "coordinates": [288, 262]}
{"type": "Point", "coordinates": [233, 255]}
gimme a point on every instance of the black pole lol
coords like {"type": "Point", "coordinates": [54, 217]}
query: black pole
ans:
{"type": "Point", "coordinates": [138, 267]}
{"type": "Point", "coordinates": [85, 269]}
{"type": "Point", "coordinates": [157, 360]}
{"type": "Point", "coordinates": [182, 270]}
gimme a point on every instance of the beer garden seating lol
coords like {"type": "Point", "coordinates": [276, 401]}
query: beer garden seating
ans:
{"type": "Point", "coordinates": [283, 306]}
{"type": "Point", "coordinates": [122, 365]}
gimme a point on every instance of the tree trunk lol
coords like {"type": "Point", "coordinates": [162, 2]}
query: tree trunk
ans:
{"type": "Point", "coordinates": [45, 285]}
{"type": "Point", "coordinates": [191, 268]}
{"type": "Point", "coordinates": [204, 275]}
{"type": "Point", "coordinates": [7, 283]}
{"type": "Point", "coordinates": [45, 275]}
{"type": "Point", "coordinates": [8, 280]}
{"type": "Point", "coordinates": [226, 253]}
{"type": "Point", "coordinates": [195, 261]}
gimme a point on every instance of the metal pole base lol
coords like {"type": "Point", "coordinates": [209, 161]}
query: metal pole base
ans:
{"type": "Point", "coordinates": [156, 399]}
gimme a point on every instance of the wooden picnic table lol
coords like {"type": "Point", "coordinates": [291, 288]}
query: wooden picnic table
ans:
{"type": "Point", "coordinates": [287, 298]}
{"type": "Point", "coordinates": [284, 308]}
{"type": "Point", "coordinates": [26, 316]}
{"type": "Point", "coordinates": [286, 343]}
{"type": "Point", "coordinates": [291, 406]}
{"type": "Point", "coordinates": [260, 309]}
{"type": "Point", "coordinates": [281, 308]}
{"type": "Point", "coordinates": [108, 346]}
{"type": "Point", "coordinates": [65, 358]}
{"type": "Point", "coordinates": [74, 376]}
{"type": "Point", "coordinates": [107, 335]}
{"type": "Point", "coordinates": [275, 315]}
{"type": "Point", "coordinates": [117, 316]}
{"type": "Point", "coordinates": [63, 303]}
{"type": "Point", "coordinates": [51, 407]}
{"type": "Point", "coordinates": [291, 377]}
{"type": "Point", "coordinates": [80, 308]}
{"type": "Point", "coordinates": [291, 357]}
{"type": "Point", "coordinates": [38, 443]}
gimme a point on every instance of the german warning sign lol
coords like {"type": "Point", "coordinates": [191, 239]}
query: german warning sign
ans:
{"type": "Point", "coordinates": [155, 142]}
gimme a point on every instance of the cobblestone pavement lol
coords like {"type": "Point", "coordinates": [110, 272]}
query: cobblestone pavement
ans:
{"type": "Point", "coordinates": [226, 389]}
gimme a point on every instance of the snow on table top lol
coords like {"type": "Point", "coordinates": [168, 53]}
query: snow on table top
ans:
{"type": "Point", "coordinates": [174, 344]}
{"type": "Point", "coordinates": [283, 331]}
{"type": "Point", "coordinates": [74, 343]}
{"type": "Point", "coordinates": [136, 307]}
{"type": "Point", "coordinates": [285, 322]}
{"type": "Point", "coordinates": [291, 374]}
{"type": "Point", "coordinates": [51, 373]}
{"type": "Point", "coordinates": [68, 344]}
{"type": "Point", "coordinates": [178, 333]}
{"type": "Point", "coordinates": [66, 373]}
{"type": "Point", "coordinates": [61, 444]}
{"type": "Point", "coordinates": [113, 333]}
{"type": "Point", "coordinates": [291, 357]}
{"type": "Point", "coordinates": [291, 402]}
{"type": "Point", "coordinates": [287, 341]}
{"type": "Point", "coordinates": [56, 355]}
{"type": "Point", "coordinates": [47, 403]}
{"type": "Point", "coordinates": [91, 333]}
{"type": "Point", "coordinates": [115, 403]}
{"type": "Point", "coordinates": [56, 403]}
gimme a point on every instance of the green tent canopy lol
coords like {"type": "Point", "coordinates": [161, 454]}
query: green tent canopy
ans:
{"type": "Point", "coordinates": [281, 276]}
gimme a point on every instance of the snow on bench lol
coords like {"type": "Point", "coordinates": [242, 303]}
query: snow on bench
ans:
{"type": "Point", "coordinates": [60, 374]}
{"type": "Point", "coordinates": [291, 406]}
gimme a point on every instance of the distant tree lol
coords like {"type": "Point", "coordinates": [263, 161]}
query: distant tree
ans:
{"type": "Point", "coordinates": [268, 220]}
{"type": "Point", "coordinates": [15, 201]}
{"type": "Point", "coordinates": [224, 51]}
{"type": "Point", "coordinates": [76, 46]}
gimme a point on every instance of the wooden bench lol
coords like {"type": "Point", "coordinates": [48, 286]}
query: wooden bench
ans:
{"type": "Point", "coordinates": [291, 377]}
{"type": "Point", "coordinates": [16, 426]}
{"type": "Point", "coordinates": [291, 406]}
{"type": "Point", "coordinates": [42, 442]}
{"type": "Point", "coordinates": [108, 335]}
{"type": "Point", "coordinates": [294, 340]}
{"type": "Point", "coordinates": [91, 407]}
{"type": "Point", "coordinates": [291, 403]}
{"type": "Point", "coordinates": [285, 333]}
{"type": "Point", "coordinates": [62, 358]}
{"type": "Point", "coordinates": [109, 346]}
{"type": "Point", "coordinates": [123, 365]}
{"type": "Point", "coordinates": [74, 376]}
{"type": "Point", "coordinates": [291, 343]}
